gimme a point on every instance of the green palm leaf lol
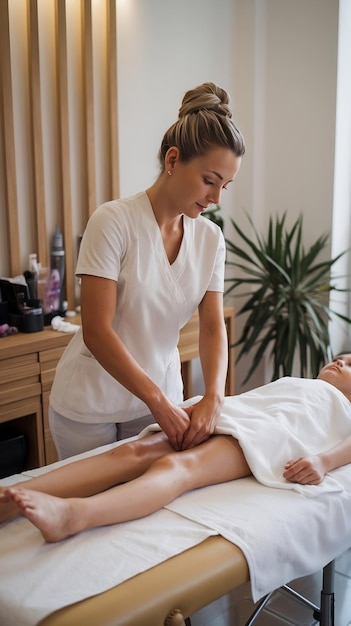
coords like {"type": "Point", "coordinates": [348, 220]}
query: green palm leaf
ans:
{"type": "Point", "coordinates": [285, 294]}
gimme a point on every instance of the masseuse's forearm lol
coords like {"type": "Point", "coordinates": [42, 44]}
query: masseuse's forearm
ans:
{"type": "Point", "coordinates": [213, 346]}
{"type": "Point", "coordinates": [114, 357]}
{"type": "Point", "coordinates": [206, 413]}
{"type": "Point", "coordinates": [99, 303]}
{"type": "Point", "coordinates": [111, 353]}
{"type": "Point", "coordinates": [213, 349]}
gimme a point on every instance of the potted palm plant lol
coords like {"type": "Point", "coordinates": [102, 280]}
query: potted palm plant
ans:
{"type": "Point", "coordinates": [286, 296]}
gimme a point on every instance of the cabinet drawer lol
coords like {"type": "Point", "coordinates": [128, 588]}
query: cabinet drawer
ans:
{"type": "Point", "coordinates": [47, 379]}
{"type": "Point", "coordinates": [20, 379]}
{"type": "Point", "coordinates": [17, 361]}
{"type": "Point", "coordinates": [50, 358]}
{"type": "Point", "coordinates": [9, 398]}
{"type": "Point", "coordinates": [19, 373]}
{"type": "Point", "coordinates": [48, 363]}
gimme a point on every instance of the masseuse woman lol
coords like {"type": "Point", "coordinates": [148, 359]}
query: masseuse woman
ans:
{"type": "Point", "coordinates": [146, 263]}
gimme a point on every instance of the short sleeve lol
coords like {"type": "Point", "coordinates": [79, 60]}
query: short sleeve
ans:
{"type": "Point", "coordinates": [103, 242]}
{"type": "Point", "coordinates": [216, 282]}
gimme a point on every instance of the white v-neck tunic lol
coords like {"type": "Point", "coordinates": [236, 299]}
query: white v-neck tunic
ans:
{"type": "Point", "coordinates": [123, 242]}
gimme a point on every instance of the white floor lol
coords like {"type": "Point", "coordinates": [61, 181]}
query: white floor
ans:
{"type": "Point", "coordinates": [235, 608]}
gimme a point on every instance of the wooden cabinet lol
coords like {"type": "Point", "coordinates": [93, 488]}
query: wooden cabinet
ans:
{"type": "Point", "coordinates": [27, 369]}
{"type": "Point", "coordinates": [48, 361]}
{"type": "Point", "coordinates": [20, 402]}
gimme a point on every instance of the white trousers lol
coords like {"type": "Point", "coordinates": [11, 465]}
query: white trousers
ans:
{"type": "Point", "coordinates": [72, 437]}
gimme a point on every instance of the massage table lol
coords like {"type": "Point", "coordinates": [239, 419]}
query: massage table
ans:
{"type": "Point", "coordinates": [165, 594]}
{"type": "Point", "coordinates": [173, 588]}
{"type": "Point", "coordinates": [180, 587]}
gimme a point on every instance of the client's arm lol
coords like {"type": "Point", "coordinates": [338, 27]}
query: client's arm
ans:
{"type": "Point", "coordinates": [311, 470]}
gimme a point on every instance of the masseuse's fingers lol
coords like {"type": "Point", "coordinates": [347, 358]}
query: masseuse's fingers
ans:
{"type": "Point", "coordinates": [175, 422]}
{"type": "Point", "coordinates": [203, 423]}
{"type": "Point", "coordinates": [193, 437]}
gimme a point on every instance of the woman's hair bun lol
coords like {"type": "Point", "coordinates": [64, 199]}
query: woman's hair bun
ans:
{"type": "Point", "coordinates": [207, 96]}
{"type": "Point", "coordinates": [204, 122]}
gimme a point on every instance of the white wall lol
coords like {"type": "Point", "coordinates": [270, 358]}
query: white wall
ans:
{"type": "Point", "coordinates": [278, 60]}
{"type": "Point", "coordinates": [286, 78]}
{"type": "Point", "coordinates": [164, 49]}
{"type": "Point", "coordinates": [286, 71]}
{"type": "Point", "coordinates": [341, 333]}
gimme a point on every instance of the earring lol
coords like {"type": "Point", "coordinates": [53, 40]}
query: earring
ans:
{"type": "Point", "coordinates": [169, 172]}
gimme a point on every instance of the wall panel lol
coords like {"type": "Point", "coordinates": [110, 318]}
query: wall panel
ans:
{"type": "Point", "coordinates": [52, 140]}
{"type": "Point", "coordinates": [10, 233]}
{"type": "Point", "coordinates": [36, 161]}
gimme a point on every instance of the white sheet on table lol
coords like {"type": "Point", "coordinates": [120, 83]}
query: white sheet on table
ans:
{"type": "Point", "coordinates": [283, 534]}
{"type": "Point", "coordinates": [37, 578]}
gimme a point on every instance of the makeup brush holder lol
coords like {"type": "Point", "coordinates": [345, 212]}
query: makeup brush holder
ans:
{"type": "Point", "coordinates": [30, 318]}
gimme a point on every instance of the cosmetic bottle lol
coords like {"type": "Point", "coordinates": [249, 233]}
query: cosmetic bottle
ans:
{"type": "Point", "coordinates": [32, 278]}
{"type": "Point", "coordinates": [57, 266]}
{"type": "Point", "coordinates": [33, 264]}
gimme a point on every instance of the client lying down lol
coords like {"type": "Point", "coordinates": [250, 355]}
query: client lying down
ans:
{"type": "Point", "coordinates": [288, 434]}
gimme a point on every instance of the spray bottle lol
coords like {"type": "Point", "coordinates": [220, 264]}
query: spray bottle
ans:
{"type": "Point", "coordinates": [57, 266]}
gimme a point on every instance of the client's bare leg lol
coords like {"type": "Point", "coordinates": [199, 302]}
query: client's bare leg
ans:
{"type": "Point", "coordinates": [94, 474]}
{"type": "Point", "coordinates": [217, 460]}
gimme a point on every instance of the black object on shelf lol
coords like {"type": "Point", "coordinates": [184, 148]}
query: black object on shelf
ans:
{"type": "Point", "coordinates": [4, 313]}
{"type": "Point", "coordinates": [12, 451]}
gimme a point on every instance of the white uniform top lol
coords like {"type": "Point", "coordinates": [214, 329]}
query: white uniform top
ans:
{"type": "Point", "coordinates": [123, 242]}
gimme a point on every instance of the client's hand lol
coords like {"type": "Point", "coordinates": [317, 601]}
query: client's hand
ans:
{"type": "Point", "coordinates": [306, 471]}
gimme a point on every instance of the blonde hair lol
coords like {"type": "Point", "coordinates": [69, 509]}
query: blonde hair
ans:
{"type": "Point", "coordinates": [204, 121]}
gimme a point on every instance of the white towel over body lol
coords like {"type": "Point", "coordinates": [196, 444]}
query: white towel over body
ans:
{"type": "Point", "coordinates": [282, 421]}
{"type": "Point", "coordinates": [283, 534]}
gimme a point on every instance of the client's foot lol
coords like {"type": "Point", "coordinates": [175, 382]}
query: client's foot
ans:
{"type": "Point", "coordinates": [8, 508]}
{"type": "Point", "coordinates": [52, 516]}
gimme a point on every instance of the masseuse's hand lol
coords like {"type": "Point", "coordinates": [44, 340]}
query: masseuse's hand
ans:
{"type": "Point", "coordinates": [174, 421]}
{"type": "Point", "coordinates": [204, 416]}
{"type": "Point", "coordinates": [306, 471]}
